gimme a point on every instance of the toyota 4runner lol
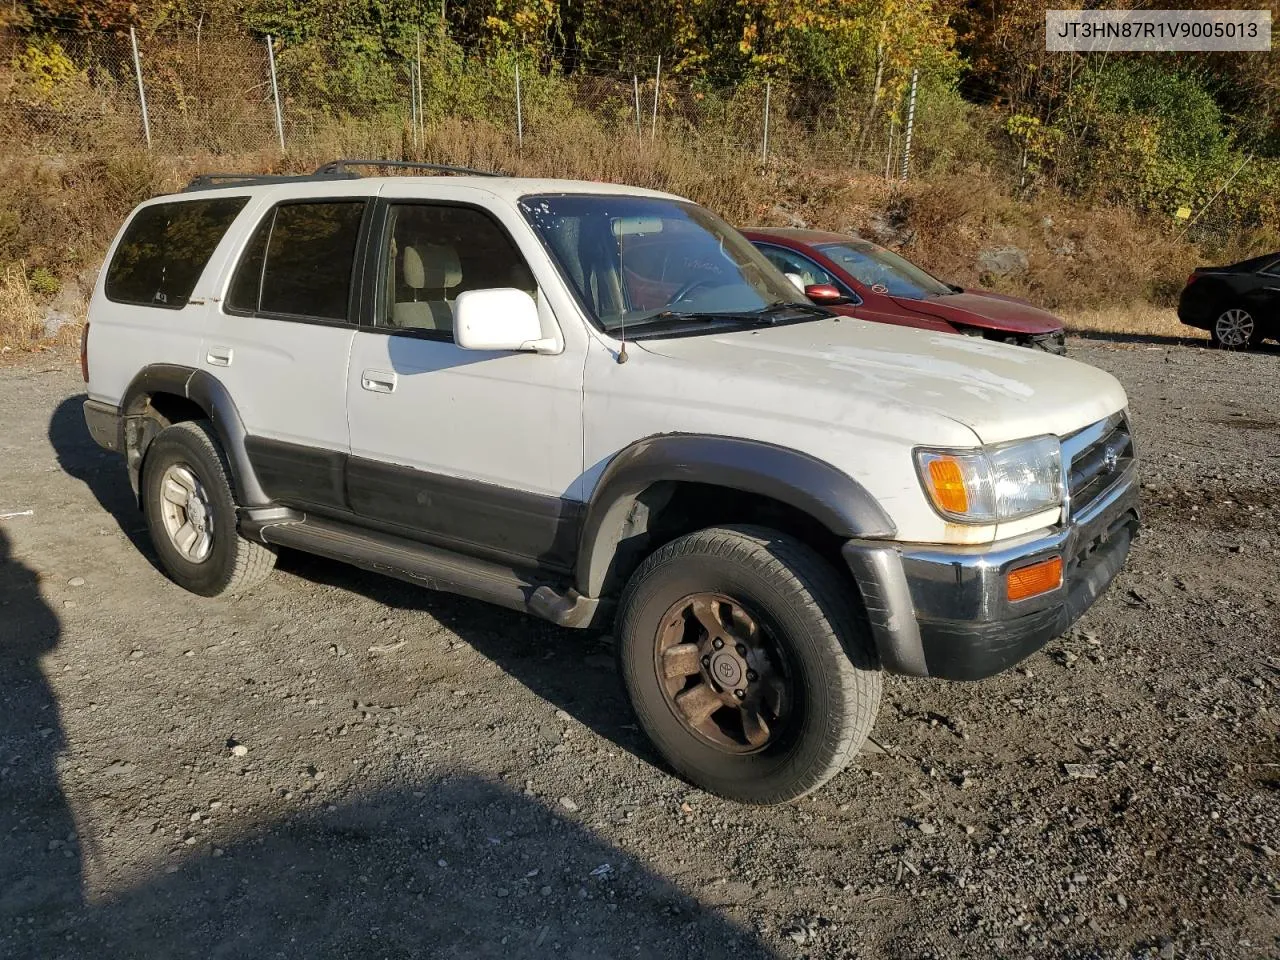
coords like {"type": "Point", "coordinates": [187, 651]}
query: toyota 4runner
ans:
{"type": "Point", "coordinates": [600, 405]}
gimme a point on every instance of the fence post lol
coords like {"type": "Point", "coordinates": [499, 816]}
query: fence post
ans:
{"type": "Point", "coordinates": [275, 91]}
{"type": "Point", "coordinates": [764, 150]}
{"type": "Point", "coordinates": [142, 93]}
{"type": "Point", "coordinates": [422, 111]}
{"type": "Point", "coordinates": [519, 112]}
{"type": "Point", "coordinates": [911, 122]}
{"type": "Point", "coordinates": [413, 103]}
{"type": "Point", "coordinates": [657, 85]}
{"type": "Point", "coordinates": [635, 85]}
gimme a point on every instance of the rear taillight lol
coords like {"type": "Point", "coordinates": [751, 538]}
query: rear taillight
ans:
{"type": "Point", "coordinates": [84, 352]}
{"type": "Point", "coordinates": [1192, 279]}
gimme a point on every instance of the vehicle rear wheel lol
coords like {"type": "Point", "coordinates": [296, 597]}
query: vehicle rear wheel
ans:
{"type": "Point", "coordinates": [191, 514]}
{"type": "Point", "coordinates": [1234, 329]}
{"type": "Point", "coordinates": [747, 663]}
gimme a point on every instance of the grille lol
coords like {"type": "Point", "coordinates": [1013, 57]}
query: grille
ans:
{"type": "Point", "coordinates": [1099, 456]}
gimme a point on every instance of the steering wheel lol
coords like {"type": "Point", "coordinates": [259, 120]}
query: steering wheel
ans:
{"type": "Point", "coordinates": [689, 287]}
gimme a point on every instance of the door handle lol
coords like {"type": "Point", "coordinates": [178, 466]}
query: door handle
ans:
{"type": "Point", "coordinates": [219, 356]}
{"type": "Point", "coordinates": [378, 381]}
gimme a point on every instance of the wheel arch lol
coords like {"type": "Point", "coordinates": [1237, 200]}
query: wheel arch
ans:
{"type": "Point", "coordinates": [638, 502]}
{"type": "Point", "coordinates": [164, 393]}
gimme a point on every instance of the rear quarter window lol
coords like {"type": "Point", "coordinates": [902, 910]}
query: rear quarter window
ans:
{"type": "Point", "coordinates": [165, 249]}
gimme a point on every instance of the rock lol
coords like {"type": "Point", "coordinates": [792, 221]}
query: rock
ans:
{"type": "Point", "coordinates": [1003, 262]}
{"type": "Point", "coordinates": [238, 749]}
{"type": "Point", "coordinates": [891, 230]}
{"type": "Point", "coordinates": [379, 648]}
{"type": "Point", "coordinates": [780, 211]}
{"type": "Point", "coordinates": [1081, 771]}
{"type": "Point", "coordinates": [54, 321]}
{"type": "Point", "coordinates": [563, 715]}
{"type": "Point", "coordinates": [568, 804]}
{"type": "Point", "coordinates": [76, 582]}
{"type": "Point", "coordinates": [927, 828]}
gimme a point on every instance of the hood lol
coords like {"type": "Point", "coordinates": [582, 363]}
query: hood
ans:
{"type": "Point", "coordinates": [991, 311]}
{"type": "Point", "coordinates": [853, 368]}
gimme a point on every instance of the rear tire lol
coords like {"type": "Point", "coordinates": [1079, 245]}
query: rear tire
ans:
{"type": "Point", "coordinates": [191, 514]}
{"type": "Point", "coordinates": [1235, 329]}
{"type": "Point", "coordinates": [798, 698]}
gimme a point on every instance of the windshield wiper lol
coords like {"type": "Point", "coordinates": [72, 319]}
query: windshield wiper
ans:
{"type": "Point", "coordinates": [765, 315]}
{"type": "Point", "coordinates": [771, 313]}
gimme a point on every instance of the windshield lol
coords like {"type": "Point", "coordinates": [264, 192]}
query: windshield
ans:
{"type": "Point", "coordinates": [884, 272]}
{"type": "Point", "coordinates": [634, 260]}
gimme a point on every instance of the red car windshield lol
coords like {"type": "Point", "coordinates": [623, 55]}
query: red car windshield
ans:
{"type": "Point", "coordinates": [883, 271]}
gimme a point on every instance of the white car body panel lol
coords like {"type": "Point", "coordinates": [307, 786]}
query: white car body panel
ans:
{"type": "Point", "coordinates": [855, 394]}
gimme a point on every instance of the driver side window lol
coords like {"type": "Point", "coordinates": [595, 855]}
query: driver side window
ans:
{"type": "Point", "coordinates": [790, 262]}
{"type": "Point", "coordinates": [433, 253]}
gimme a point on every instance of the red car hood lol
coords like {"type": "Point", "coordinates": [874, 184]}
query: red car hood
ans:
{"type": "Point", "coordinates": [989, 310]}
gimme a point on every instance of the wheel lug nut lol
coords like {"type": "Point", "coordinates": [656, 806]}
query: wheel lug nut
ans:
{"type": "Point", "coordinates": [752, 676]}
{"type": "Point", "coordinates": [740, 694]}
{"type": "Point", "coordinates": [742, 649]}
{"type": "Point", "coordinates": [717, 643]}
{"type": "Point", "coordinates": [706, 661]}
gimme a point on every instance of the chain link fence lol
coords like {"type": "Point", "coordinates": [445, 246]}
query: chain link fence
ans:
{"type": "Point", "coordinates": [214, 92]}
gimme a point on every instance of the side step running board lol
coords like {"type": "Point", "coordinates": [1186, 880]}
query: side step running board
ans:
{"type": "Point", "coordinates": [431, 567]}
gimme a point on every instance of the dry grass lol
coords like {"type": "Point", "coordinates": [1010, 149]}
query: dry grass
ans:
{"type": "Point", "coordinates": [21, 317]}
{"type": "Point", "coordinates": [1135, 319]}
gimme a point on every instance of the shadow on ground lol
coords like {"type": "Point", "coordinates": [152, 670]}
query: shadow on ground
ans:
{"type": "Point", "coordinates": [454, 868]}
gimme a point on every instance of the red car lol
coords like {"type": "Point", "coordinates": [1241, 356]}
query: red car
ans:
{"type": "Point", "coordinates": [857, 278]}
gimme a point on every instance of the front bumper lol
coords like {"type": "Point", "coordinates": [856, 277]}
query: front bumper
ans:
{"type": "Point", "coordinates": [943, 612]}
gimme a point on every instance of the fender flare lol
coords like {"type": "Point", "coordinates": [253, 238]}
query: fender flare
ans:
{"type": "Point", "coordinates": [211, 395]}
{"type": "Point", "coordinates": [815, 487]}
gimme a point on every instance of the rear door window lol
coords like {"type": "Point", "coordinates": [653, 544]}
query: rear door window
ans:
{"type": "Point", "coordinates": [165, 249]}
{"type": "Point", "coordinates": [299, 262]}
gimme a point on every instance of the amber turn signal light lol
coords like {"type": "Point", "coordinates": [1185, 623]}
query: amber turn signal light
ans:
{"type": "Point", "coordinates": [1033, 580]}
{"type": "Point", "coordinates": [946, 481]}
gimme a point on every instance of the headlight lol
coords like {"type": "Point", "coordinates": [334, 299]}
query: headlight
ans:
{"type": "Point", "coordinates": [993, 484]}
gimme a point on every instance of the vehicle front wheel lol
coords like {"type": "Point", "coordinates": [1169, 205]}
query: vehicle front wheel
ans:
{"type": "Point", "coordinates": [191, 514]}
{"type": "Point", "coordinates": [1234, 329]}
{"type": "Point", "coordinates": [747, 663]}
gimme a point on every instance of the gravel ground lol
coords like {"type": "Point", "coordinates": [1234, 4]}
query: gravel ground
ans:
{"type": "Point", "coordinates": [338, 764]}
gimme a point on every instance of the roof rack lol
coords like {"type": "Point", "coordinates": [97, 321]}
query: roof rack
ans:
{"type": "Point", "coordinates": [212, 181]}
{"type": "Point", "coordinates": [339, 167]}
{"type": "Point", "coordinates": [334, 170]}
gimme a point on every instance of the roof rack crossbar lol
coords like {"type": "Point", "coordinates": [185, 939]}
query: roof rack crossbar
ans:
{"type": "Point", "coordinates": [336, 167]}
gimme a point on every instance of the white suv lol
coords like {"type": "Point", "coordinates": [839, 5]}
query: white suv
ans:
{"type": "Point", "coordinates": [601, 405]}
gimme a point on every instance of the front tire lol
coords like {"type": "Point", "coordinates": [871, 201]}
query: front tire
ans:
{"type": "Point", "coordinates": [747, 663]}
{"type": "Point", "coordinates": [191, 514]}
{"type": "Point", "coordinates": [1234, 329]}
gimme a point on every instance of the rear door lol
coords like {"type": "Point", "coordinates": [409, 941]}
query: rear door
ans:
{"type": "Point", "coordinates": [280, 340]}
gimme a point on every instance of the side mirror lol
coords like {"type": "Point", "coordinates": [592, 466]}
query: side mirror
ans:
{"type": "Point", "coordinates": [503, 318]}
{"type": "Point", "coordinates": [798, 280]}
{"type": "Point", "coordinates": [825, 293]}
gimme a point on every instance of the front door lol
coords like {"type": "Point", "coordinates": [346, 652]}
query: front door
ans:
{"type": "Point", "coordinates": [280, 341]}
{"type": "Point", "coordinates": [477, 451]}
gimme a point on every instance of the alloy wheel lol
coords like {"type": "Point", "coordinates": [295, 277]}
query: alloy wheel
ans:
{"type": "Point", "coordinates": [725, 678]}
{"type": "Point", "coordinates": [187, 515]}
{"type": "Point", "coordinates": [1234, 328]}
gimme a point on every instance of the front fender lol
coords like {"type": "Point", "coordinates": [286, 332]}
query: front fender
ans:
{"type": "Point", "coordinates": [831, 497]}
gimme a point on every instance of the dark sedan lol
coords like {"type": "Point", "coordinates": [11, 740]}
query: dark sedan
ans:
{"type": "Point", "coordinates": [857, 278]}
{"type": "Point", "coordinates": [1239, 305]}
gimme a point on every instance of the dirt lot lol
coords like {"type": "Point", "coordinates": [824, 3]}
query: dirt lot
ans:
{"type": "Point", "coordinates": [341, 765]}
